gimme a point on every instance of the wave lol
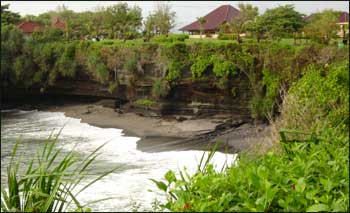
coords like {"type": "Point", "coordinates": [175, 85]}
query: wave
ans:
{"type": "Point", "coordinates": [18, 111]}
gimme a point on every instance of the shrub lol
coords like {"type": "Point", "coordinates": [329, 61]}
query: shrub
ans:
{"type": "Point", "coordinates": [48, 35]}
{"type": "Point", "coordinates": [170, 38]}
{"type": "Point", "coordinates": [262, 106]}
{"type": "Point", "coordinates": [145, 103]}
{"type": "Point", "coordinates": [160, 88]}
{"type": "Point", "coordinates": [96, 66]}
{"type": "Point", "coordinates": [131, 64]}
{"type": "Point", "coordinates": [200, 65]}
{"type": "Point", "coordinates": [112, 86]}
{"type": "Point", "coordinates": [311, 171]}
{"type": "Point", "coordinates": [223, 68]}
{"type": "Point", "coordinates": [223, 36]}
{"type": "Point", "coordinates": [67, 64]}
{"type": "Point", "coordinates": [317, 101]}
{"type": "Point", "coordinates": [174, 70]}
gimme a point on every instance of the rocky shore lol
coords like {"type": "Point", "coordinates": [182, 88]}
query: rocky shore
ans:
{"type": "Point", "coordinates": [170, 133]}
{"type": "Point", "coordinates": [162, 133]}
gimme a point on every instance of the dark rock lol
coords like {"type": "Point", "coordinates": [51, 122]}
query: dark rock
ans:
{"type": "Point", "coordinates": [109, 103]}
{"type": "Point", "coordinates": [119, 111]}
{"type": "Point", "coordinates": [180, 118]}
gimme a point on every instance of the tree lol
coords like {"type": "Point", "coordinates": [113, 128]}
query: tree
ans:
{"type": "Point", "coordinates": [247, 13]}
{"type": "Point", "coordinates": [149, 27]}
{"type": "Point", "coordinates": [122, 20]}
{"type": "Point", "coordinates": [322, 26]}
{"type": "Point", "coordinates": [11, 46]}
{"type": "Point", "coordinates": [279, 22]}
{"type": "Point", "coordinates": [49, 34]}
{"type": "Point", "coordinates": [256, 28]}
{"type": "Point", "coordinates": [201, 21]}
{"type": "Point", "coordinates": [8, 17]}
{"type": "Point", "coordinates": [162, 20]}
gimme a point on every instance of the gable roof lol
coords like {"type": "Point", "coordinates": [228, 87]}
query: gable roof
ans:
{"type": "Point", "coordinates": [29, 26]}
{"type": "Point", "coordinates": [59, 24]}
{"type": "Point", "coordinates": [344, 17]}
{"type": "Point", "coordinates": [214, 19]}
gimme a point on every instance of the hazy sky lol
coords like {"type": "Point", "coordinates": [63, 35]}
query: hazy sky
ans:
{"type": "Point", "coordinates": [186, 11]}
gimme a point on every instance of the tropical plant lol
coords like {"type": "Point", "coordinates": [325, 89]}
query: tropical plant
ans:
{"type": "Point", "coordinates": [50, 181]}
{"type": "Point", "coordinates": [247, 13]}
{"type": "Point", "coordinates": [201, 21]}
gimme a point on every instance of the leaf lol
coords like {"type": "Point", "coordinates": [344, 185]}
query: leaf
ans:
{"type": "Point", "coordinates": [161, 185]}
{"type": "Point", "coordinates": [317, 208]}
{"type": "Point", "coordinates": [170, 176]}
{"type": "Point", "coordinates": [327, 184]}
{"type": "Point", "coordinates": [300, 185]}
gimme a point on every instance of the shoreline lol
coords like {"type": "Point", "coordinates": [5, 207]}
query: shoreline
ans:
{"type": "Point", "coordinates": [168, 133]}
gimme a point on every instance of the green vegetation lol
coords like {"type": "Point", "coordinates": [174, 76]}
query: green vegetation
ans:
{"type": "Point", "coordinates": [170, 38]}
{"type": "Point", "coordinates": [327, 19]}
{"type": "Point", "coordinates": [309, 161]}
{"type": "Point", "coordinates": [8, 17]}
{"type": "Point", "coordinates": [160, 21]}
{"type": "Point", "coordinates": [49, 181]}
{"type": "Point", "coordinates": [307, 171]}
{"type": "Point", "coordinates": [247, 14]}
{"type": "Point", "coordinates": [145, 103]}
{"type": "Point", "coordinates": [160, 88]}
{"type": "Point", "coordinates": [34, 63]}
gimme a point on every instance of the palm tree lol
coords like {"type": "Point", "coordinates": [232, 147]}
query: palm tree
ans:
{"type": "Point", "coordinates": [201, 21]}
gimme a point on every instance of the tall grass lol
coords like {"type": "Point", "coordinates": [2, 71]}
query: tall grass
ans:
{"type": "Point", "coordinates": [50, 180]}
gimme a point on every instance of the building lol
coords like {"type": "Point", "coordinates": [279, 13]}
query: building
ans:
{"type": "Point", "coordinates": [28, 27]}
{"type": "Point", "coordinates": [59, 24]}
{"type": "Point", "coordinates": [213, 21]}
{"type": "Point", "coordinates": [343, 22]}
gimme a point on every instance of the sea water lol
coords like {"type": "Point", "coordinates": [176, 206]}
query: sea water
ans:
{"type": "Point", "coordinates": [130, 185]}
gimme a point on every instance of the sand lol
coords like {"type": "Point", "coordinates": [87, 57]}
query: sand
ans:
{"type": "Point", "coordinates": [168, 134]}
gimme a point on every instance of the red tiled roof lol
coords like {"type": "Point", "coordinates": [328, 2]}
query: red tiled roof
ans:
{"type": "Point", "coordinates": [214, 19]}
{"type": "Point", "coordinates": [58, 23]}
{"type": "Point", "coordinates": [344, 17]}
{"type": "Point", "coordinates": [29, 26]}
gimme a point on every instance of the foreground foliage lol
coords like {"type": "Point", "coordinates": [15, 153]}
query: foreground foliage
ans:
{"type": "Point", "coordinates": [50, 181]}
{"type": "Point", "coordinates": [307, 171]}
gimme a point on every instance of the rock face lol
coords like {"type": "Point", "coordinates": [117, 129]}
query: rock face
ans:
{"type": "Point", "coordinates": [186, 97]}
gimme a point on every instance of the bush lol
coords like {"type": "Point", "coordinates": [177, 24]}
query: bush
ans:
{"type": "Point", "coordinates": [174, 70]}
{"type": "Point", "coordinates": [48, 35]}
{"type": "Point", "coordinates": [200, 65]}
{"type": "Point", "coordinates": [223, 36]}
{"type": "Point", "coordinates": [263, 106]}
{"type": "Point", "coordinates": [145, 103]}
{"type": "Point", "coordinates": [131, 64]}
{"type": "Point", "coordinates": [67, 64]}
{"type": "Point", "coordinates": [96, 66]}
{"type": "Point", "coordinates": [160, 89]}
{"type": "Point", "coordinates": [315, 97]}
{"type": "Point", "coordinates": [222, 67]}
{"type": "Point", "coordinates": [170, 38]}
{"type": "Point", "coordinates": [310, 172]}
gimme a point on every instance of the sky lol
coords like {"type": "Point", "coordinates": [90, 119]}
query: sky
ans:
{"type": "Point", "coordinates": [186, 11]}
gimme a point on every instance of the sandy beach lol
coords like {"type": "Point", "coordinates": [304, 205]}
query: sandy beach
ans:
{"type": "Point", "coordinates": [168, 133]}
